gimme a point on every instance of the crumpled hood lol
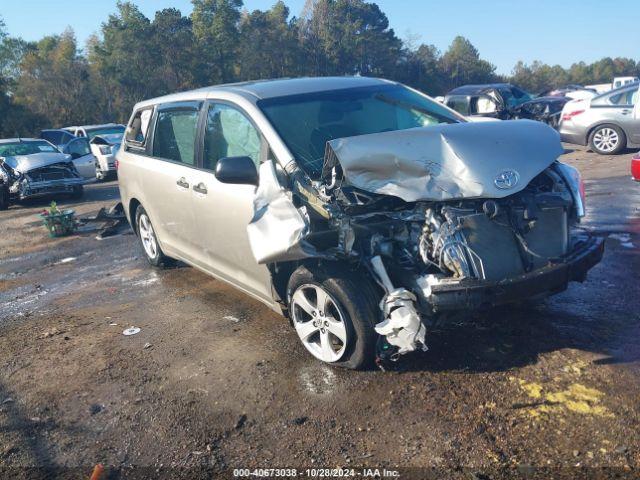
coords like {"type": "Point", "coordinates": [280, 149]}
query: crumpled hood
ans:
{"type": "Point", "coordinates": [24, 163]}
{"type": "Point", "coordinates": [449, 161]}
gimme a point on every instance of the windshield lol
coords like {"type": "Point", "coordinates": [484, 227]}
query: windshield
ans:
{"type": "Point", "coordinates": [307, 122]}
{"type": "Point", "coordinates": [26, 148]}
{"type": "Point", "coordinates": [105, 131]}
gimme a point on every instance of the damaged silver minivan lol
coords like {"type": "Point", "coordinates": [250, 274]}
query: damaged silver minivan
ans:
{"type": "Point", "coordinates": [359, 208]}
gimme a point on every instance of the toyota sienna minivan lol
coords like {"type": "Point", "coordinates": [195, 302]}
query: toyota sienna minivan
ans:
{"type": "Point", "coordinates": [359, 208]}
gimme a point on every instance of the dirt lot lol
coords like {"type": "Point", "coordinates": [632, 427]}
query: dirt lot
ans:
{"type": "Point", "coordinates": [215, 381]}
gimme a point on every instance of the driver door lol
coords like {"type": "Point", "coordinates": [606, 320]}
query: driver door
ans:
{"type": "Point", "coordinates": [82, 157]}
{"type": "Point", "coordinates": [223, 211]}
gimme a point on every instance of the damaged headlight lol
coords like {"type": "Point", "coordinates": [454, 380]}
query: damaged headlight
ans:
{"type": "Point", "coordinates": [576, 185]}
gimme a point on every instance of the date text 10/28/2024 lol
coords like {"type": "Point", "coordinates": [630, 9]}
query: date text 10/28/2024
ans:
{"type": "Point", "coordinates": [316, 472]}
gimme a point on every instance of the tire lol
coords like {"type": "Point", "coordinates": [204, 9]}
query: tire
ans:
{"type": "Point", "coordinates": [78, 192]}
{"type": "Point", "coordinates": [607, 139]}
{"type": "Point", "coordinates": [4, 197]}
{"type": "Point", "coordinates": [355, 304]}
{"type": "Point", "coordinates": [149, 241]}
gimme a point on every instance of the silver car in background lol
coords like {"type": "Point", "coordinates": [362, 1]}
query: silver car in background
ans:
{"type": "Point", "coordinates": [607, 123]}
{"type": "Point", "coordinates": [31, 168]}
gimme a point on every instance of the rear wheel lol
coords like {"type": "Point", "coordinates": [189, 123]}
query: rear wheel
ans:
{"type": "Point", "coordinates": [149, 240]}
{"type": "Point", "coordinates": [334, 311]}
{"type": "Point", "coordinates": [607, 140]}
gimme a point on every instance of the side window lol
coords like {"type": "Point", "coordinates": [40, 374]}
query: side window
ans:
{"type": "Point", "coordinates": [624, 98]}
{"type": "Point", "coordinates": [229, 133]}
{"type": "Point", "coordinates": [79, 148]}
{"type": "Point", "coordinates": [136, 133]}
{"type": "Point", "coordinates": [175, 135]}
{"type": "Point", "coordinates": [482, 105]}
{"type": "Point", "coordinates": [459, 104]}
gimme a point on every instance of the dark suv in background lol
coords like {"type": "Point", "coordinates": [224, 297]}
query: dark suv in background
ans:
{"type": "Point", "coordinates": [504, 101]}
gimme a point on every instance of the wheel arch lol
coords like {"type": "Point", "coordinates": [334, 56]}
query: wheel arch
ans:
{"type": "Point", "coordinates": [134, 203]}
{"type": "Point", "coordinates": [281, 273]}
{"type": "Point", "coordinates": [604, 124]}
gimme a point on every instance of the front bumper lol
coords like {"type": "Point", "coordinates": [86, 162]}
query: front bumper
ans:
{"type": "Point", "coordinates": [48, 187]}
{"type": "Point", "coordinates": [554, 278]}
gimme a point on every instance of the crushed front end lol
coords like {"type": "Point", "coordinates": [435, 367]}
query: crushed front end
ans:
{"type": "Point", "coordinates": [454, 217]}
{"type": "Point", "coordinates": [55, 178]}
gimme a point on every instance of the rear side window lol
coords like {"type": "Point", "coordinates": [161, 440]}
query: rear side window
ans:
{"type": "Point", "coordinates": [624, 98]}
{"type": "Point", "coordinates": [136, 132]}
{"type": "Point", "coordinates": [175, 135]}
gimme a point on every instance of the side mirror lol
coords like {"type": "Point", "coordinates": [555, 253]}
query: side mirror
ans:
{"type": "Point", "coordinates": [75, 155]}
{"type": "Point", "coordinates": [237, 170]}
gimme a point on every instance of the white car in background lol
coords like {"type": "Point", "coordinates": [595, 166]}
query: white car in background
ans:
{"type": "Point", "coordinates": [104, 141]}
{"type": "Point", "coordinates": [104, 148]}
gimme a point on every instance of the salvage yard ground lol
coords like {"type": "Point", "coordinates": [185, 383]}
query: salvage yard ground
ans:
{"type": "Point", "coordinates": [214, 380]}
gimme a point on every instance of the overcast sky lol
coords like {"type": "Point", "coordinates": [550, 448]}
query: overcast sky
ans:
{"type": "Point", "coordinates": [505, 31]}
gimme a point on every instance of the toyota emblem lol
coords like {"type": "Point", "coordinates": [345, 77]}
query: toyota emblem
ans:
{"type": "Point", "coordinates": [507, 179]}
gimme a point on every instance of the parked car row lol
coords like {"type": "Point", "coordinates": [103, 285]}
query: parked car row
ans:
{"type": "Point", "coordinates": [59, 162]}
{"type": "Point", "coordinates": [504, 101]}
{"type": "Point", "coordinates": [93, 146]}
{"type": "Point", "coordinates": [606, 122]}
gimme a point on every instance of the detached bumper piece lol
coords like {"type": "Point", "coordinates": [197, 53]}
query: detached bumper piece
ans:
{"type": "Point", "coordinates": [553, 278]}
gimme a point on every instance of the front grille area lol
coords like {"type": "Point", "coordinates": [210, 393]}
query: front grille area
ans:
{"type": "Point", "coordinates": [51, 172]}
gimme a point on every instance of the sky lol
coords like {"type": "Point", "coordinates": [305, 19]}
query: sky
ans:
{"type": "Point", "coordinates": [504, 31]}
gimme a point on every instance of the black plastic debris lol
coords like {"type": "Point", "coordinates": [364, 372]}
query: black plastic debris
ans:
{"type": "Point", "coordinates": [113, 220]}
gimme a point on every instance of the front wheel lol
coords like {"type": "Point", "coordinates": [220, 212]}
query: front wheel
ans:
{"type": "Point", "coordinates": [607, 140]}
{"type": "Point", "coordinates": [149, 240]}
{"type": "Point", "coordinates": [334, 311]}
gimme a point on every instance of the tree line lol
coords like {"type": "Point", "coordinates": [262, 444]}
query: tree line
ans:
{"type": "Point", "coordinates": [54, 82]}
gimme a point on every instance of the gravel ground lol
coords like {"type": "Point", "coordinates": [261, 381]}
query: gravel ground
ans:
{"type": "Point", "coordinates": [215, 381]}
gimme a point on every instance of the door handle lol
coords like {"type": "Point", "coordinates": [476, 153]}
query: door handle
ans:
{"type": "Point", "coordinates": [182, 182]}
{"type": "Point", "coordinates": [200, 188]}
{"type": "Point", "coordinates": [626, 112]}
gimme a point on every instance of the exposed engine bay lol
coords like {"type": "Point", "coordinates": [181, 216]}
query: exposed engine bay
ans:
{"type": "Point", "coordinates": [447, 207]}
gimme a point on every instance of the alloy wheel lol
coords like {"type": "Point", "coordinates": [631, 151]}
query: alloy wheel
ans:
{"type": "Point", "coordinates": [606, 139]}
{"type": "Point", "coordinates": [148, 236]}
{"type": "Point", "coordinates": [319, 322]}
